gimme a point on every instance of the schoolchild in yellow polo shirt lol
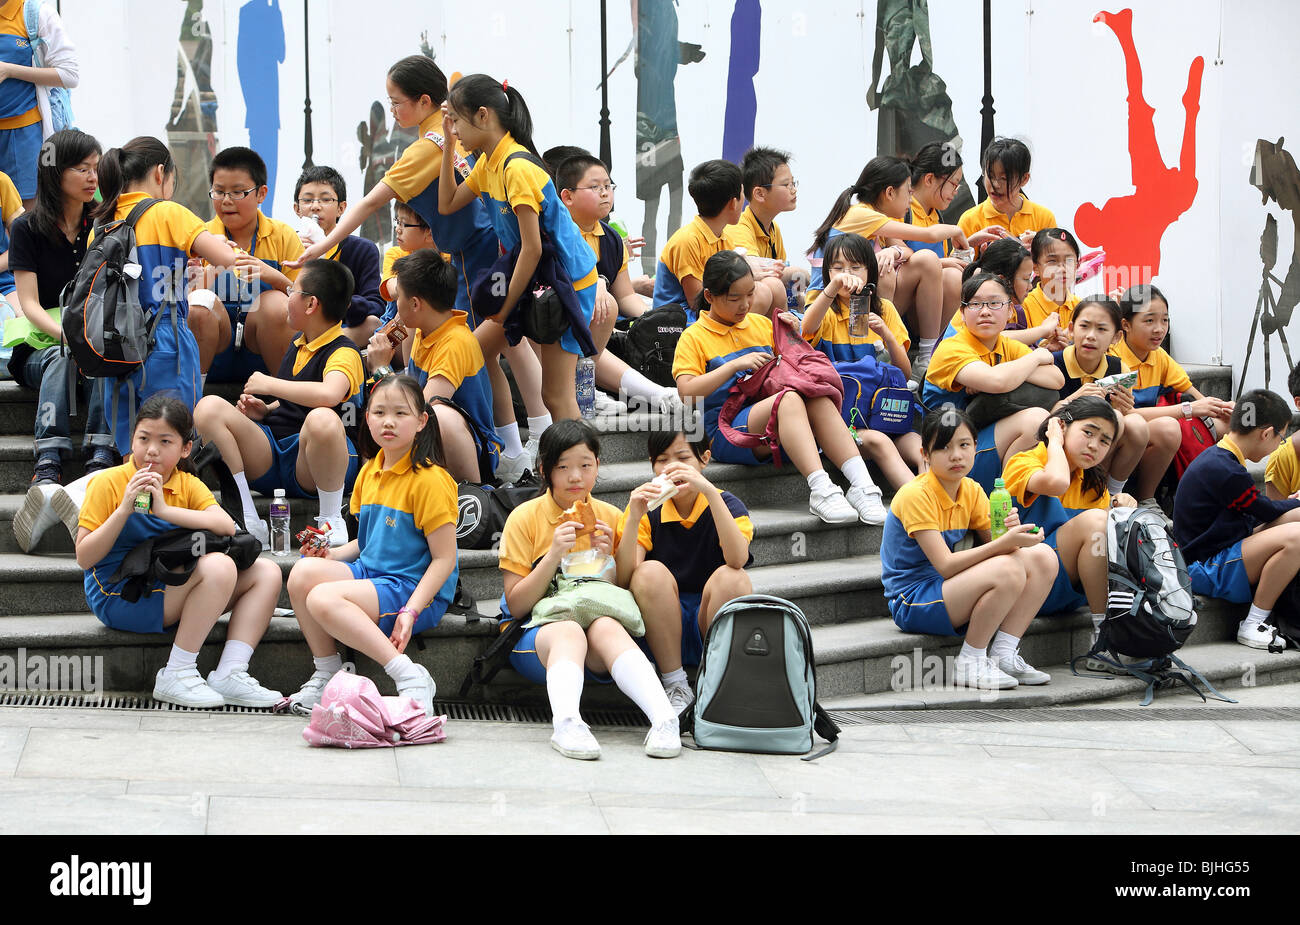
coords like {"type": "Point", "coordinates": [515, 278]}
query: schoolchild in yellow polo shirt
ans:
{"type": "Point", "coordinates": [1282, 476]}
{"type": "Point", "coordinates": [771, 189]}
{"type": "Point", "coordinates": [297, 431]}
{"type": "Point", "coordinates": [20, 117]}
{"type": "Point", "coordinates": [1005, 163]}
{"type": "Point", "coordinates": [1008, 577]}
{"type": "Point", "coordinates": [256, 296]}
{"type": "Point", "coordinates": [728, 341]}
{"type": "Point", "coordinates": [537, 537]}
{"type": "Point", "coordinates": [1056, 262]}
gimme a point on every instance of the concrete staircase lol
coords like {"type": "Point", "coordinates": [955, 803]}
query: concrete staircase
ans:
{"type": "Point", "coordinates": [831, 572]}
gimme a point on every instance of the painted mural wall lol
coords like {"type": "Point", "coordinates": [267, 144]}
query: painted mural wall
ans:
{"type": "Point", "coordinates": [1160, 132]}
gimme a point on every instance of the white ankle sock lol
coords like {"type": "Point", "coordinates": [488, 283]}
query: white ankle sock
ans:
{"type": "Point", "coordinates": [673, 677]}
{"type": "Point", "coordinates": [331, 663]}
{"type": "Point", "coordinates": [235, 653]}
{"type": "Point", "coordinates": [819, 482]}
{"type": "Point", "coordinates": [1097, 619]}
{"type": "Point", "coordinates": [926, 345]}
{"type": "Point", "coordinates": [331, 502]}
{"type": "Point", "coordinates": [1256, 615]}
{"type": "Point", "coordinates": [632, 673]}
{"type": "Point", "coordinates": [564, 690]}
{"type": "Point", "coordinates": [509, 434]}
{"type": "Point", "coordinates": [181, 659]}
{"type": "Point", "coordinates": [245, 496]}
{"type": "Point", "coordinates": [1004, 645]}
{"type": "Point", "coordinates": [401, 669]}
{"type": "Point", "coordinates": [633, 383]}
{"type": "Point", "coordinates": [1114, 485]}
{"type": "Point", "coordinates": [537, 425]}
{"type": "Point", "coordinates": [855, 470]}
{"type": "Point", "coordinates": [969, 651]}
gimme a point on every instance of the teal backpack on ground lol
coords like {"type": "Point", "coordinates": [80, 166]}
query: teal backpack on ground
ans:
{"type": "Point", "coordinates": [756, 690]}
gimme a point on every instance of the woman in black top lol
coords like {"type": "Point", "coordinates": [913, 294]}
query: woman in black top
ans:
{"type": "Point", "coordinates": [48, 244]}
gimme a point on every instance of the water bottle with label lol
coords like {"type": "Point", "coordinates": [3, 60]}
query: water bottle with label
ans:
{"type": "Point", "coordinates": [279, 524]}
{"type": "Point", "coordinates": [999, 508]}
{"type": "Point", "coordinates": [585, 380]}
{"type": "Point", "coordinates": [859, 314]}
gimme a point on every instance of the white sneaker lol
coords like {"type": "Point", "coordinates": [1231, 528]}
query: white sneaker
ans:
{"type": "Point", "coordinates": [36, 515]}
{"type": "Point", "coordinates": [260, 531]}
{"type": "Point", "coordinates": [867, 502]}
{"type": "Point", "coordinates": [532, 446]}
{"type": "Point", "coordinates": [664, 740]}
{"type": "Point", "coordinates": [186, 688]}
{"type": "Point", "coordinates": [241, 689]}
{"type": "Point", "coordinates": [832, 507]}
{"type": "Point", "coordinates": [1022, 671]}
{"type": "Point", "coordinates": [67, 502]}
{"type": "Point", "coordinates": [980, 672]}
{"type": "Point", "coordinates": [573, 739]}
{"type": "Point", "coordinates": [511, 469]}
{"type": "Point", "coordinates": [422, 689]}
{"type": "Point", "coordinates": [606, 406]}
{"type": "Point", "coordinates": [310, 693]}
{"type": "Point", "coordinates": [1259, 635]}
{"type": "Point", "coordinates": [680, 696]}
{"type": "Point", "coordinates": [671, 405]}
{"type": "Point", "coordinates": [336, 527]}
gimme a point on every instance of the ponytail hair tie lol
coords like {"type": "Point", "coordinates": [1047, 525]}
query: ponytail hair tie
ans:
{"type": "Point", "coordinates": [505, 85]}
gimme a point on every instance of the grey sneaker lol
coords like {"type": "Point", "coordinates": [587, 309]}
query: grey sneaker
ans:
{"type": "Point", "coordinates": [1022, 671]}
{"type": "Point", "coordinates": [36, 515]}
{"type": "Point", "coordinates": [680, 696]}
{"type": "Point", "coordinates": [310, 693]}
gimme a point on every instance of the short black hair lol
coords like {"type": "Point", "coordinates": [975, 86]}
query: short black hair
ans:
{"type": "Point", "coordinates": [1137, 298]}
{"type": "Point", "coordinates": [758, 167]}
{"type": "Point", "coordinates": [554, 157]}
{"type": "Point", "coordinates": [940, 426]}
{"type": "Point", "coordinates": [572, 169]}
{"type": "Point", "coordinates": [237, 158]}
{"type": "Point", "coordinates": [1293, 382]}
{"type": "Point", "coordinates": [1260, 408]}
{"type": "Point", "coordinates": [560, 437]}
{"type": "Point", "coordinates": [405, 208]}
{"type": "Point", "coordinates": [425, 275]}
{"type": "Point", "coordinates": [330, 282]}
{"type": "Point", "coordinates": [1012, 153]}
{"type": "Point", "coordinates": [327, 175]}
{"type": "Point", "coordinates": [713, 184]}
{"type": "Point", "coordinates": [658, 442]}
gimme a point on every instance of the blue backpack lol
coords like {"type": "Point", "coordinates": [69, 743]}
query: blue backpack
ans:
{"type": "Point", "coordinates": [756, 690]}
{"type": "Point", "coordinates": [60, 99]}
{"type": "Point", "coordinates": [876, 396]}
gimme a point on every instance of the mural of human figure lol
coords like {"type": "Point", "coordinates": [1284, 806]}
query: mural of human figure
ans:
{"type": "Point", "coordinates": [658, 146]}
{"type": "Point", "coordinates": [1129, 228]}
{"type": "Point", "coordinates": [1275, 175]}
{"type": "Point", "coordinates": [913, 101]}
{"type": "Point", "coordinates": [192, 128]}
{"type": "Point", "coordinates": [742, 67]}
{"type": "Point", "coordinates": [259, 52]}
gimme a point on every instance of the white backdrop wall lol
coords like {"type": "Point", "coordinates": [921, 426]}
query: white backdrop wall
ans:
{"type": "Point", "coordinates": [1058, 81]}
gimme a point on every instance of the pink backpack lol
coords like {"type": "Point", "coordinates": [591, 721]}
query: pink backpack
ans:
{"type": "Point", "coordinates": [798, 367]}
{"type": "Point", "coordinates": [351, 714]}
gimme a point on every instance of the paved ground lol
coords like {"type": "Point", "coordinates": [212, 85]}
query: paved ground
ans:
{"type": "Point", "coordinates": [1071, 770]}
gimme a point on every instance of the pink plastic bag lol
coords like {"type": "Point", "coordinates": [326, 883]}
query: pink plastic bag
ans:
{"type": "Point", "coordinates": [351, 714]}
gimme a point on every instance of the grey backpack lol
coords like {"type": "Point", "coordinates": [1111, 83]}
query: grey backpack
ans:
{"type": "Point", "coordinates": [103, 322]}
{"type": "Point", "coordinates": [756, 690]}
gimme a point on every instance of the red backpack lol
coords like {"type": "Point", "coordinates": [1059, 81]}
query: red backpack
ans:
{"type": "Point", "coordinates": [798, 368]}
{"type": "Point", "coordinates": [1197, 436]}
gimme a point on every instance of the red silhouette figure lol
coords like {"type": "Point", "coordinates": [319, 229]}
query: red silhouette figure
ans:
{"type": "Point", "coordinates": [1129, 228]}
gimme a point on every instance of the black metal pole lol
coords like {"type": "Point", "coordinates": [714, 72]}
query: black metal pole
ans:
{"type": "Point", "coordinates": [605, 148]}
{"type": "Point", "coordinates": [306, 65]}
{"type": "Point", "coordinates": [986, 124]}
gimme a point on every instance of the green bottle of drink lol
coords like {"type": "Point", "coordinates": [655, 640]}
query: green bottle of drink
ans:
{"type": "Point", "coordinates": [999, 507]}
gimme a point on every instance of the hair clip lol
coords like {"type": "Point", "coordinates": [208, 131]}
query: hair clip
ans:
{"type": "Point", "coordinates": [505, 85]}
{"type": "Point", "coordinates": [1062, 234]}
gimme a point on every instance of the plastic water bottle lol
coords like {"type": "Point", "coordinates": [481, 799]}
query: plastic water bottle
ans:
{"type": "Point", "coordinates": [585, 380]}
{"type": "Point", "coordinates": [999, 508]}
{"type": "Point", "coordinates": [6, 313]}
{"type": "Point", "coordinates": [859, 314]}
{"type": "Point", "coordinates": [279, 524]}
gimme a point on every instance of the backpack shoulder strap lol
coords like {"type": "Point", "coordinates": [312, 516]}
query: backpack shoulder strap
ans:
{"type": "Point", "coordinates": [528, 156]}
{"type": "Point", "coordinates": [32, 22]}
{"type": "Point", "coordinates": [140, 209]}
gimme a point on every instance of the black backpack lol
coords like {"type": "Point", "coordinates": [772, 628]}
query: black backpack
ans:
{"type": "Point", "coordinates": [482, 510]}
{"type": "Point", "coordinates": [1150, 610]}
{"type": "Point", "coordinates": [104, 324]}
{"type": "Point", "coordinates": [651, 341]}
{"type": "Point", "coordinates": [155, 559]}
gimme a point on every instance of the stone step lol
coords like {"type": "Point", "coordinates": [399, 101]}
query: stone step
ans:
{"type": "Point", "coordinates": [1214, 380]}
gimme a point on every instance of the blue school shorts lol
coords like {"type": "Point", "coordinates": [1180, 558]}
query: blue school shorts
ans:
{"type": "Point", "coordinates": [393, 594]}
{"type": "Point", "coordinates": [105, 601]}
{"type": "Point", "coordinates": [284, 465]}
{"type": "Point", "coordinates": [920, 609]}
{"type": "Point", "coordinates": [987, 464]}
{"type": "Point", "coordinates": [692, 642]}
{"type": "Point", "coordinates": [587, 302]}
{"type": "Point", "coordinates": [1064, 594]}
{"type": "Point", "coordinates": [20, 152]}
{"type": "Point", "coordinates": [1223, 575]}
{"type": "Point", "coordinates": [523, 657]}
{"type": "Point", "coordinates": [727, 452]}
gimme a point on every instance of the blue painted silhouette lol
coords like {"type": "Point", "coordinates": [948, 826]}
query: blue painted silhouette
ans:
{"type": "Point", "coordinates": [742, 102]}
{"type": "Point", "coordinates": [258, 56]}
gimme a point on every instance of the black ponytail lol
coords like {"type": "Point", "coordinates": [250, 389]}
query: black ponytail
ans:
{"type": "Point", "coordinates": [417, 76]}
{"type": "Point", "coordinates": [479, 91]}
{"type": "Point", "coordinates": [879, 175]}
{"type": "Point", "coordinates": [131, 163]}
{"type": "Point", "coordinates": [426, 449]}
{"type": "Point", "coordinates": [1084, 408]}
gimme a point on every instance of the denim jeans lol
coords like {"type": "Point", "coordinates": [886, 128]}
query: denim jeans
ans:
{"type": "Point", "coordinates": [46, 371]}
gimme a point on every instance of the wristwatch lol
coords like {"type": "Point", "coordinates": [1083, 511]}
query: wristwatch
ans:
{"type": "Point", "coordinates": [1187, 410]}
